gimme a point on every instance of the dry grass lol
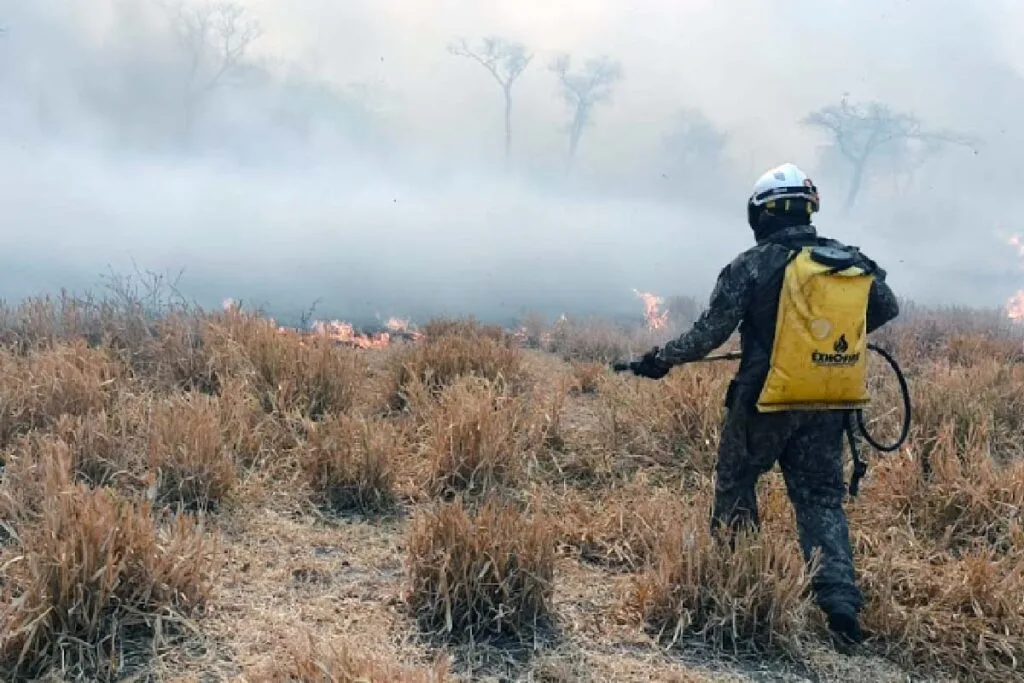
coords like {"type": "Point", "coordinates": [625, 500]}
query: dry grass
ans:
{"type": "Point", "coordinates": [44, 384]}
{"type": "Point", "coordinates": [755, 596]}
{"type": "Point", "coordinates": [120, 429]}
{"type": "Point", "coordinates": [480, 574]}
{"type": "Point", "coordinates": [190, 450]}
{"type": "Point", "coordinates": [933, 612]}
{"type": "Point", "coordinates": [967, 498]}
{"type": "Point", "coordinates": [95, 575]}
{"type": "Point", "coordinates": [308, 375]}
{"type": "Point", "coordinates": [348, 464]}
{"type": "Point", "coordinates": [451, 350]}
{"type": "Point", "coordinates": [477, 438]}
{"type": "Point", "coordinates": [316, 662]}
{"type": "Point", "coordinates": [596, 341]}
{"type": "Point", "coordinates": [621, 529]}
{"type": "Point", "coordinates": [587, 377]}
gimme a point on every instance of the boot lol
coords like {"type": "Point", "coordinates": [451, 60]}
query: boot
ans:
{"type": "Point", "coordinates": [845, 628]}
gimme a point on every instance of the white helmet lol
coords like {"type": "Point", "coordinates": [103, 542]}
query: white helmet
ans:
{"type": "Point", "coordinates": [785, 182]}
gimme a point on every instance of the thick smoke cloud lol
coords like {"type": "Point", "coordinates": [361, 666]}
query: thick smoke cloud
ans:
{"type": "Point", "coordinates": [350, 158]}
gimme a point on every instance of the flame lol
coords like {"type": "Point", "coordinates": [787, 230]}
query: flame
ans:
{"type": "Point", "coordinates": [401, 326]}
{"type": "Point", "coordinates": [343, 332]}
{"type": "Point", "coordinates": [1015, 306]}
{"type": "Point", "coordinates": [655, 319]}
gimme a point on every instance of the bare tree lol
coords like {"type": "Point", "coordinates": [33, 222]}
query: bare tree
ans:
{"type": "Point", "coordinates": [215, 37]}
{"type": "Point", "coordinates": [505, 61]}
{"type": "Point", "coordinates": [873, 131]}
{"type": "Point", "coordinates": [581, 91]}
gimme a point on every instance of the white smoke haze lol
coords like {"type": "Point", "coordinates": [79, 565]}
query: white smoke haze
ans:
{"type": "Point", "coordinates": [350, 158]}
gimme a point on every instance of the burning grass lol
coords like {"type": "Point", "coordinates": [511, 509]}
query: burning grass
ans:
{"type": "Point", "coordinates": [483, 574]}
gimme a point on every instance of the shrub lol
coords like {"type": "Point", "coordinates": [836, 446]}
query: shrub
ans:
{"type": "Point", "coordinates": [483, 575]}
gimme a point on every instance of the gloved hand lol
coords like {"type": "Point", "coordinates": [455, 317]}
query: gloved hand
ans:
{"type": "Point", "coordinates": [650, 367]}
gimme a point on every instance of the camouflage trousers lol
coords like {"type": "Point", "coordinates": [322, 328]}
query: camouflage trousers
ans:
{"type": "Point", "coordinates": [809, 449]}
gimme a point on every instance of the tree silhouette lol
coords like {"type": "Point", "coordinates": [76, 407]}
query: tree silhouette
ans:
{"type": "Point", "coordinates": [581, 91]}
{"type": "Point", "coordinates": [873, 131]}
{"type": "Point", "coordinates": [215, 37]}
{"type": "Point", "coordinates": [505, 61]}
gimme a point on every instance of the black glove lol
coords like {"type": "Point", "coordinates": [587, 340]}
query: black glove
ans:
{"type": "Point", "coordinates": [649, 366]}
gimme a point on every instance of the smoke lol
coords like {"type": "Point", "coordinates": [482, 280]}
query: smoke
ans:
{"type": "Point", "coordinates": [347, 157]}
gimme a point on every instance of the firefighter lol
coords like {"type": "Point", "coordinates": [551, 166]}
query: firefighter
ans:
{"type": "Point", "coordinates": [807, 443]}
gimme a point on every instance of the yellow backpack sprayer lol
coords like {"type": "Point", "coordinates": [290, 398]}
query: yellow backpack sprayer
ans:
{"type": "Point", "coordinates": [818, 356]}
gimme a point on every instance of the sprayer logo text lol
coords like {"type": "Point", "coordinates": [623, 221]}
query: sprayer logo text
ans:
{"type": "Point", "coordinates": [839, 357]}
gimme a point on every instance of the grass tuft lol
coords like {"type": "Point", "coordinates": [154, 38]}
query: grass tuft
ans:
{"type": "Point", "coordinates": [98, 575]}
{"type": "Point", "coordinates": [317, 662]}
{"type": "Point", "coordinates": [753, 598]}
{"type": "Point", "coordinates": [348, 464]}
{"type": "Point", "coordinates": [480, 575]}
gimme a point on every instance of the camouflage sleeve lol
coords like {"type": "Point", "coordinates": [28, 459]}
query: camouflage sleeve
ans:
{"type": "Point", "coordinates": [727, 306]}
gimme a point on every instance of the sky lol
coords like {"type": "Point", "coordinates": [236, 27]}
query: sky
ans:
{"type": "Point", "coordinates": [351, 160]}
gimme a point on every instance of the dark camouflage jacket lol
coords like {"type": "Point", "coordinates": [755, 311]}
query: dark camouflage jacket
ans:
{"type": "Point", "coordinates": [747, 296]}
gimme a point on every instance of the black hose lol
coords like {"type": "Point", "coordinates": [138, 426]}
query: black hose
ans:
{"type": "Point", "coordinates": [860, 468]}
{"type": "Point", "coordinates": [907, 410]}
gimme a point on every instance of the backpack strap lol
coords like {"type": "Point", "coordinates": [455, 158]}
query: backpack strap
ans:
{"type": "Point", "coordinates": [794, 245]}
